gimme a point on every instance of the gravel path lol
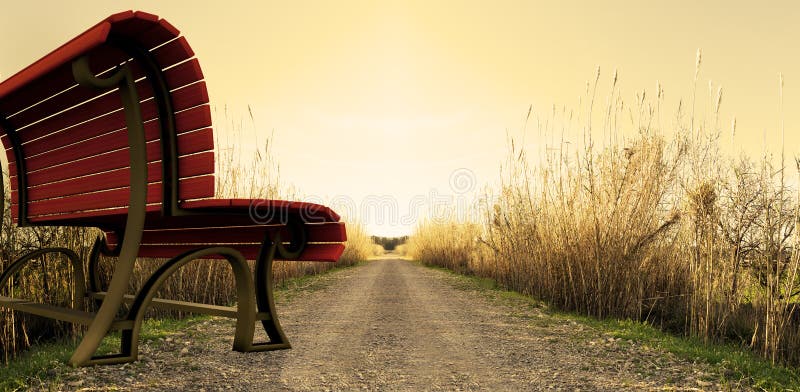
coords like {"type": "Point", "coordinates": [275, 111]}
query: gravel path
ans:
{"type": "Point", "coordinates": [395, 325]}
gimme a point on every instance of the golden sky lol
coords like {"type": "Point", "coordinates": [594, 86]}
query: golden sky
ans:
{"type": "Point", "coordinates": [379, 100]}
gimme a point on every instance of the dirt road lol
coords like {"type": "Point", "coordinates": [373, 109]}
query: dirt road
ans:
{"type": "Point", "coordinates": [395, 325]}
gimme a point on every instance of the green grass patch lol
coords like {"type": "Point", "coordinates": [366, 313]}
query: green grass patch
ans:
{"type": "Point", "coordinates": [37, 367]}
{"type": "Point", "coordinates": [46, 363]}
{"type": "Point", "coordinates": [732, 363]}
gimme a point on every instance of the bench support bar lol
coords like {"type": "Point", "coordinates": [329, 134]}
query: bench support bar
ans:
{"type": "Point", "coordinates": [255, 302]}
{"type": "Point", "coordinates": [245, 311]}
{"type": "Point", "coordinates": [78, 288]}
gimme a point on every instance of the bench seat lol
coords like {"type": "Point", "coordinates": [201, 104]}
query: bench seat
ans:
{"type": "Point", "coordinates": [238, 223]}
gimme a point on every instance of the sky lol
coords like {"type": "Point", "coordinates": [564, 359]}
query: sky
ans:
{"type": "Point", "coordinates": [386, 108]}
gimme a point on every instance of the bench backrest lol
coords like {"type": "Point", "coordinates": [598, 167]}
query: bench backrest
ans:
{"type": "Point", "coordinates": [67, 144]}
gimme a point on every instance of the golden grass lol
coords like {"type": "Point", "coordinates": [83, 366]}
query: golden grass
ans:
{"type": "Point", "coordinates": [663, 229]}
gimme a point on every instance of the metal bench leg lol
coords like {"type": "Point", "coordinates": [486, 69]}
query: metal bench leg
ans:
{"type": "Point", "coordinates": [105, 316]}
{"type": "Point", "coordinates": [129, 249]}
{"type": "Point", "coordinates": [266, 300]}
{"type": "Point", "coordinates": [245, 313]}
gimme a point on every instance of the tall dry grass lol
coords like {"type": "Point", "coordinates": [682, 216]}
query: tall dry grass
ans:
{"type": "Point", "coordinates": [641, 220]}
{"type": "Point", "coordinates": [238, 176]}
{"type": "Point", "coordinates": [46, 280]}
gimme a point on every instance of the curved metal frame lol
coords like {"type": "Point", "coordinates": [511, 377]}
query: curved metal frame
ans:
{"type": "Point", "coordinates": [246, 306]}
{"type": "Point", "coordinates": [129, 249]}
{"type": "Point", "coordinates": [250, 307]}
{"type": "Point", "coordinates": [3, 193]}
{"type": "Point", "coordinates": [100, 247]}
{"type": "Point", "coordinates": [78, 289]}
{"type": "Point", "coordinates": [265, 298]}
{"type": "Point", "coordinates": [166, 118]}
{"type": "Point", "coordinates": [22, 177]}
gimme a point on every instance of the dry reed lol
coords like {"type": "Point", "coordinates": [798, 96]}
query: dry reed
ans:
{"type": "Point", "coordinates": [639, 225]}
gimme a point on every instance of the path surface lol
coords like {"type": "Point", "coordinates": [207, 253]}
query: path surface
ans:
{"type": "Point", "coordinates": [395, 325]}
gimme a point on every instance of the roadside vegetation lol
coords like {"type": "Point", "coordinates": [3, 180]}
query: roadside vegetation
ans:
{"type": "Point", "coordinates": [729, 364]}
{"type": "Point", "coordinates": [631, 211]}
{"type": "Point", "coordinates": [48, 280]}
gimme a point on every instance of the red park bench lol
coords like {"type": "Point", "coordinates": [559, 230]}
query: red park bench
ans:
{"type": "Point", "coordinates": [113, 130]}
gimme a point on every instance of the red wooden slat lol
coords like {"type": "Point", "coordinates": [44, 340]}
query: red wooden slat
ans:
{"type": "Point", "coordinates": [87, 218]}
{"type": "Point", "coordinates": [194, 187]}
{"type": "Point", "coordinates": [189, 119]}
{"type": "Point", "coordinates": [170, 55]}
{"type": "Point", "coordinates": [173, 52]}
{"type": "Point", "coordinates": [226, 218]}
{"type": "Point", "coordinates": [102, 59]}
{"type": "Point", "coordinates": [115, 198]}
{"type": "Point", "coordinates": [72, 49]}
{"type": "Point", "coordinates": [314, 252]}
{"type": "Point", "coordinates": [56, 82]}
{"type": "Point", "coordinates": [120, 16]}
{"type": "Point", "coordinates": [183, 98]}
{"type": "Point", "coordinates": [192, 165]}
{"type": "Point", "coordinates": [177, 77]}
{"type": "Point", "coordinates": [100, 106]}
{"type": "Point", "coordinates": [92, 128]}
{"type": "Point", "coordinates": [157, 35]}
{"type": "Point", "coordinates": [114, 140]}
{"type": "Point", "coordinates": [55, 104]}
{"type": "Point", "coordinates": [194, 118]}
{"type": "Point", "coordinates": [85, 96]}
{"type": "Point", "coordinates": [188, 143]}
{"type": "Point", "coordinates": [40, 85]}
{"type": "Point", "coordinates": [309, 212]}
{"type": "Point", "coordinates": [314, 212]}
{"type": "Point", "coordinates": [146, 16]}
{"type": "Point", "coordinates": [327, 232]}
{"type": "Point", "coordinates": [188, 96]}
{"type": "Point", "coordinates": [194, 142]}
{"type": "Point", "coordinates": [131, 27]}
{"type": "Point", "coordinates": [183, 74]}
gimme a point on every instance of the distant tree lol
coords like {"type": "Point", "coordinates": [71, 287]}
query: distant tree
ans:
{"type": "Point", "coordinates": [389, 243]}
